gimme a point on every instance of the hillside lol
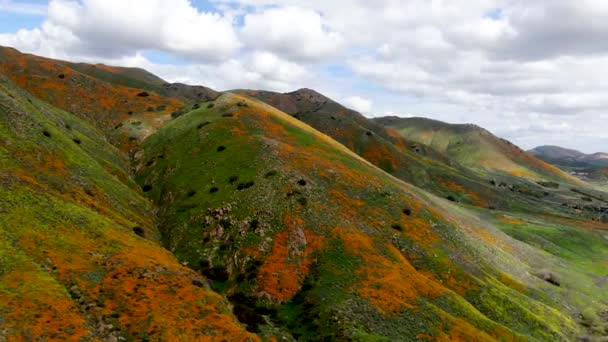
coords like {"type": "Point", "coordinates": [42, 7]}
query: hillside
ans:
{"type": "Point", "coordinates": [475, 148]}
{"type": "Point", "coordinates": [310, 240]}
{"type": "Point", "coordinates": [256, 216]}
{"type": "Point", "coordinates": [80, 256]}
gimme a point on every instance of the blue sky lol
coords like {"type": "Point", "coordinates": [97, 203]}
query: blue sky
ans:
{"type": "Point", "coordinates": [505, 65]}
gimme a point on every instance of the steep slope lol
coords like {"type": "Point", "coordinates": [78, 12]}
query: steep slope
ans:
{"type": "Point", "coordinates": [422, 165]}
{"type": "Point", "coordinates": [310, 241]}
{"type": "Point", "coordinates": [475, 148]}
{"type": "Point", "coordinates": [413, 162]}
{"type": "Point", "coordinates": [79, 252]}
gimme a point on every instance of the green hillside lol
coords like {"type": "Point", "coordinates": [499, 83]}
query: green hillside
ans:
{"type": "Point", "coordinates": [79, 255]}
{"type": "Point", "coordinates": [309, 240]}
{"type": "Point", "coordinates": [475, 148]}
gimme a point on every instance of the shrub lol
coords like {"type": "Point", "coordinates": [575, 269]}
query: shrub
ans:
{"type": "Point", "coordinates": [407, 211]}
{"type": "Point", "coordinates": [303, 201]}
{"type": "Point", "coordinates": [233, 179]}
{"type": "Point", "coordinates": [77, 141]}
{"type": "Point", "coordinates": [214, 190]}
{"type": "Point", "coordinates": [196, 106]}
{"type": "Point", "coordinates": [139, 232]}
{"type": "Point", "coordinates": [302, 182]}
{"type": "Point", "coordinates": [191, 193]}
{"type": "Point", "coordinates": [221, 148]}
{"type": "Point", "coordinates": [243, 186]}
{"type": "Point", "coordinates": [143, 94]}
{"type": "Point", "coordinates": [61, 76]}
{"type": "Point", "coordinates": [211, 105]}
{"type": "Point", "coordinates": [397, 227]}
{"type": "Point", "coordinates": [227, 115]}
{"type": "Point", "coordinates": [46, 133]}
{"type": "Point", "coordinates": [270, 174]}
{"type": "Point", "coordinates": [451, 198]}
{"type": "Point", "coordinates": [550, 185]}
{"type": "Point", "coordinates": [147, 188]}
{"type": "Point", "coordinates": [203, 124]}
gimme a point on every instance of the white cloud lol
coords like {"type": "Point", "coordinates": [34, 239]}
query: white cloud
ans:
{"type": "Point", "coordinates": [115, 28]}
{"type": "Point", "coordinates": [360, 104]}
{"type": "Point", "coordinates": [291, 31]}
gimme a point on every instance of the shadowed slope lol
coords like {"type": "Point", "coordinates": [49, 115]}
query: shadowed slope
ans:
{"type": "Point", "coordinates": [311, 241]}
{"type": "Point", "coordinates": [79, 253]}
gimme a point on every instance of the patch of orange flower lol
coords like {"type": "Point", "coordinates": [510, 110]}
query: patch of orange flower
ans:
{"type": "Point", "coordinates": [388, 280]}
{"type": "Point", "coordinates": [284, 270]}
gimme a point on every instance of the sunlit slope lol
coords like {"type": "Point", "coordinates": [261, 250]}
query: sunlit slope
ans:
{"type": "Point", "coordinates": [79, 252]}
{"type": "Point", "coordinates": [410, 161]}
{"type": "Point", "coordinates": [475, 148]}
{"type": "Point", "coordinates": [311, 241]}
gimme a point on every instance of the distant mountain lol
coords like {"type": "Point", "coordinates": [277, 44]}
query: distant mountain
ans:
{"type": "Point", "coordinates": [566, 157]}
{"type": "Point", "coordinates": [475, 148]}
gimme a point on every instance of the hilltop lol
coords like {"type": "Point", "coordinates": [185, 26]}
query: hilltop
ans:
{"type": "Point", "coordinates": [252, 215]}
{"type": "Point", "coordinates": [475, 148]}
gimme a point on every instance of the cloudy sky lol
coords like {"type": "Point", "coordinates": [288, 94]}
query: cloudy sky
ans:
{"type": "Point", "coordinates": [534, 72]}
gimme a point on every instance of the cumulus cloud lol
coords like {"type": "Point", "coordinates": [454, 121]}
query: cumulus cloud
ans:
{"type": "Point", "coordinates": [291, 31]}
{"type": "Point", "coordinates": [115, 28]}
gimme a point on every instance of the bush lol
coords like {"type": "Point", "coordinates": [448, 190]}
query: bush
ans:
{"type": "Point", "coordinates": [221, 148]}
{"type": "Point", "coordinates": [211, 105]}
{"type": "Point", "coordinates": [233, 179]}
{"type": "Point", "coordinates": [550, 185]}
{"type": "Point", "coordinates": [407, 211]}
{"type": "Point", "coordinates": [214, 190]}
{"type": "Point", "coordinates": [196, 106]}
{"type": "Point", "coordinates": [397, 227]}
{"type": "Point", "coordinates": [77, 141]}
{"type": "Point", "coordinates": [203, 124]}
{"type": "Point", "coordinates": [143, 94]}
{"type": "Point", "coordinates": [243, 186]}
{"type": "Point", "coordinates": [147, 188]}
{"type": "Point", "coordinates": [139, 232]}
{"type": "Point", "coordinates": [46, 133]}
{"type": "Point", "coordinates": [302, 182]}
{"type": "Point", "coordinates": [270, 174]}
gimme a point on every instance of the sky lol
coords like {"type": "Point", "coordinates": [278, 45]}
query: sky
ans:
{"type": "Point", "coordinates": [532, 72]}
